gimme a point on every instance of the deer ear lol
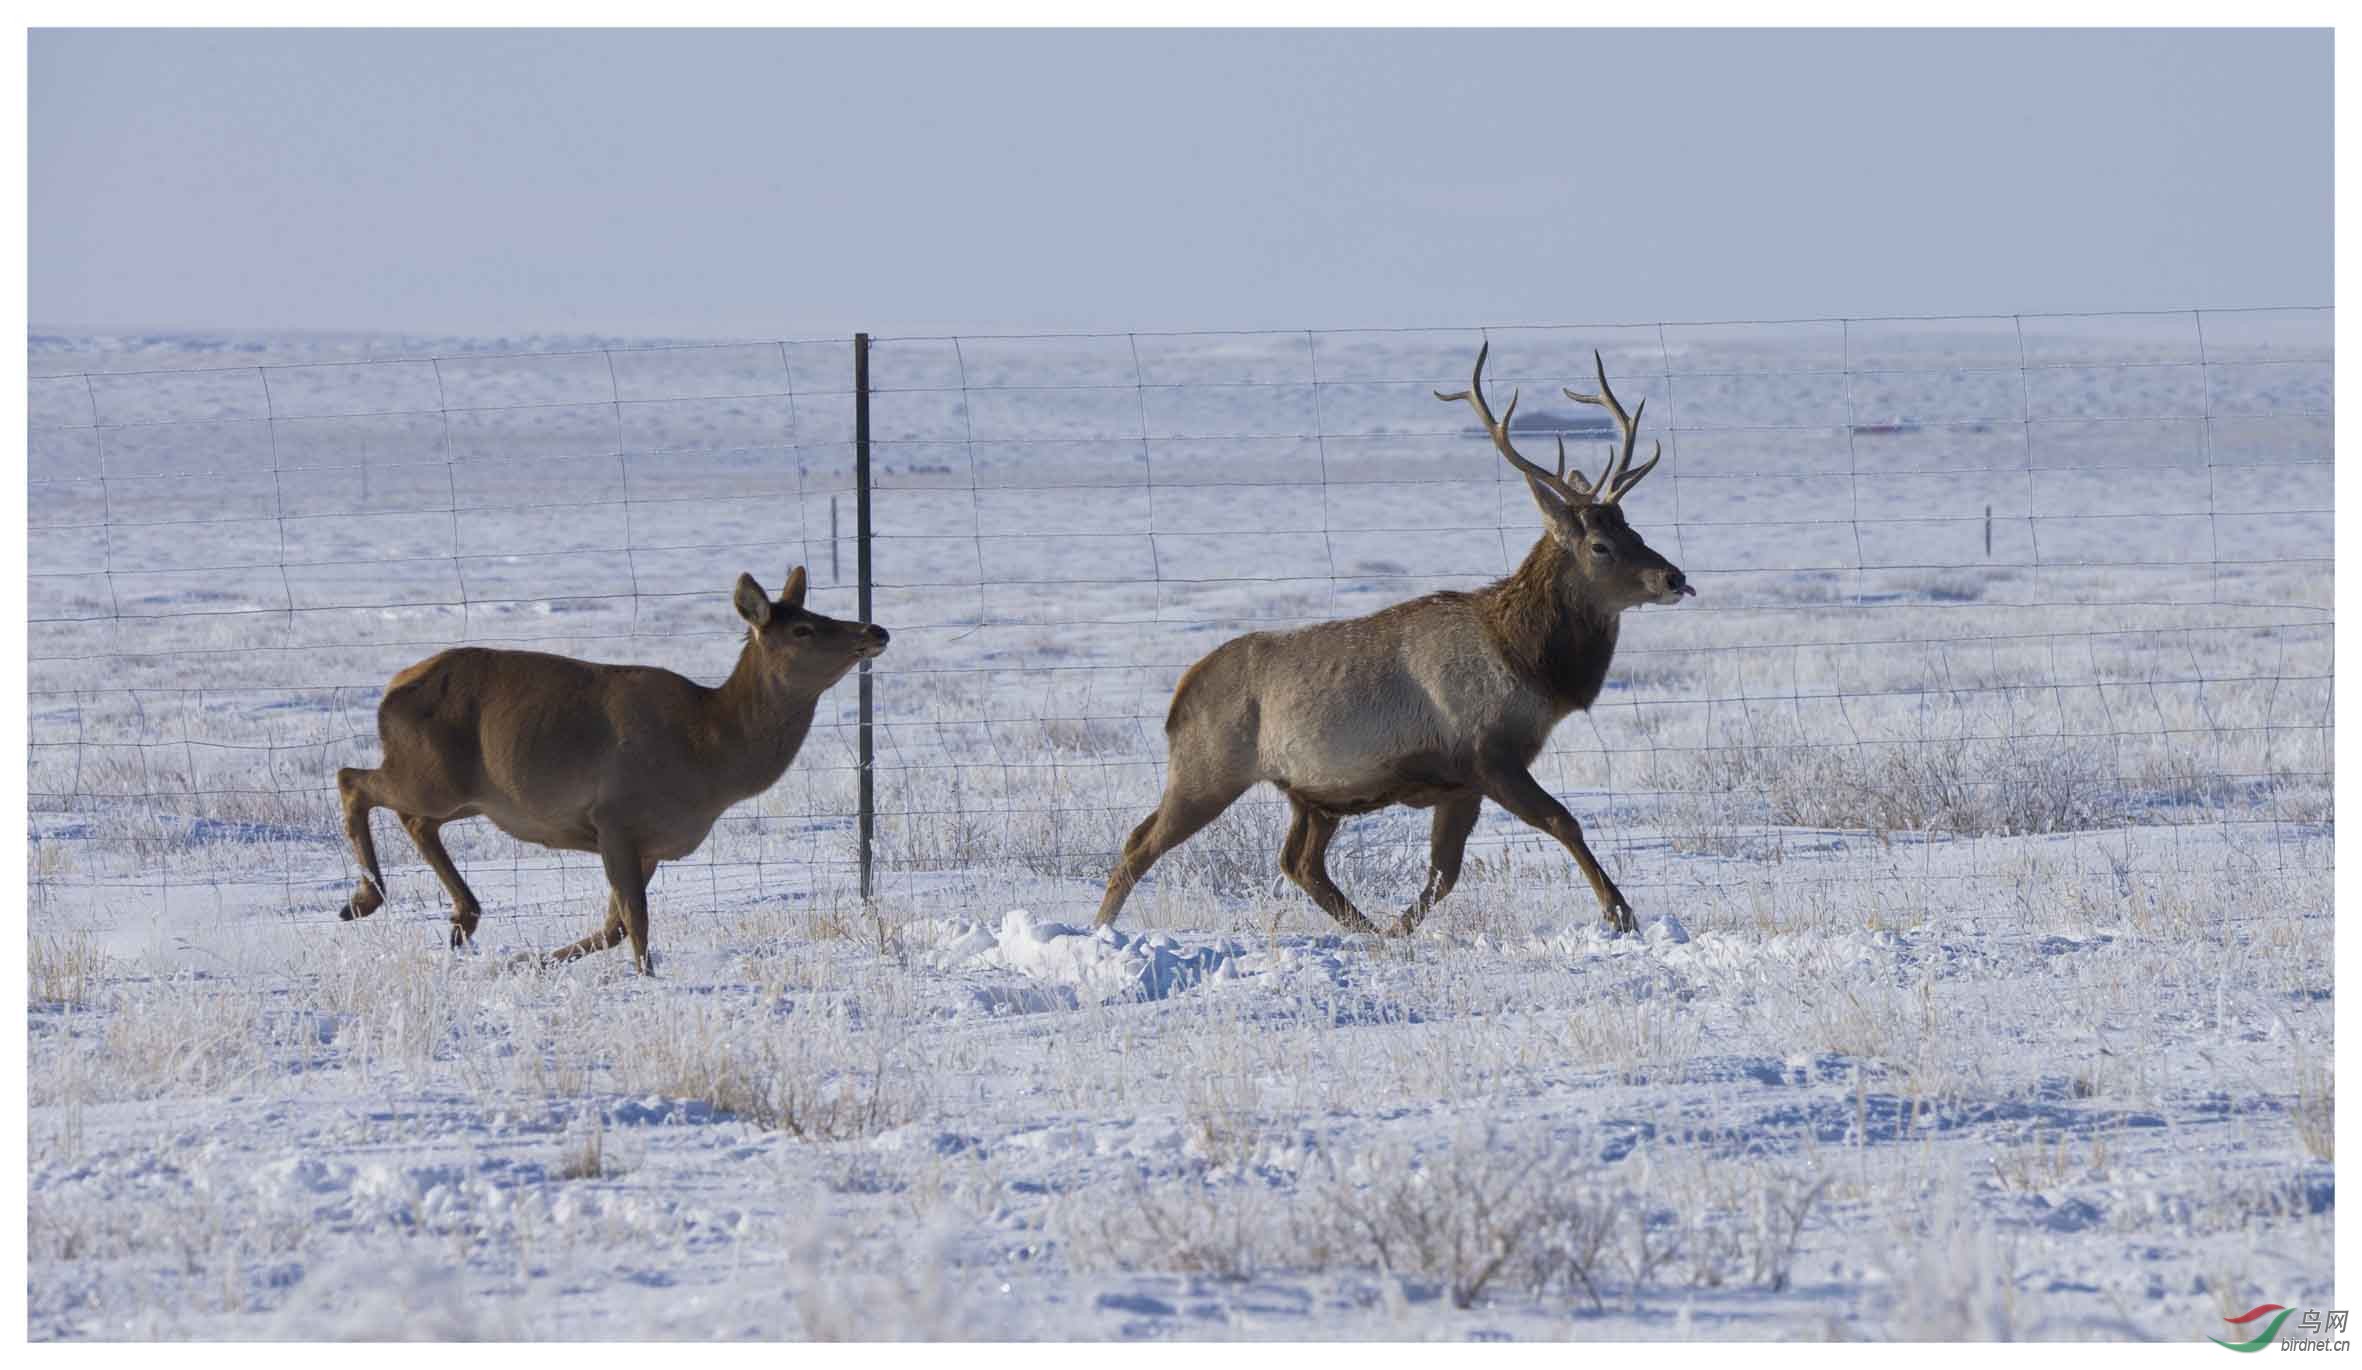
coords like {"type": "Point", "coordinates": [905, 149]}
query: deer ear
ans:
{"type": "Point", "coordinates": [794, 593]}
{"type": "Point", "coordinates": [1555, 510]}
{"type": "Point", "coordinates": [1562, 522]}
{"type": "Point", "coordinates": [753, 605]}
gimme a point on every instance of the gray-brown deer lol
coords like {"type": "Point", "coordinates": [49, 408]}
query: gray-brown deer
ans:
{"type": "Point", "coordinates": [1440, 702]}
{"type": "Point", "coordinates": [632, 762]}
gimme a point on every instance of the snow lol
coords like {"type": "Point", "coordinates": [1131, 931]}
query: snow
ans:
{"type": "Point", "coordinates": [1105, 963]}
{"type": "Point", "coordinates": [2064, 1076]}
{"type": "Point", "coordinates": [2078, 1114]}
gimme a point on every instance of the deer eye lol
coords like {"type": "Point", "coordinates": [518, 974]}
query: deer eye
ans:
{"type": "Point", "coordinates": [801, 630]}
{"type": "Point", "coordinates": [1602, 549]}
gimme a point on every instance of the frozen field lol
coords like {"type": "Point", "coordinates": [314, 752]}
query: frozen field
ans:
{"type": "Point", "coordinates": [1977, 812]}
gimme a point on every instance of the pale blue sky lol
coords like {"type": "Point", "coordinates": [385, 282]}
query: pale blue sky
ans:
{"type": "Point", "coordinates": [794, 183]}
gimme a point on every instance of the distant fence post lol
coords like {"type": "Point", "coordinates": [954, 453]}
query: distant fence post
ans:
{"type": "Point", "coordinates": [869, 796]}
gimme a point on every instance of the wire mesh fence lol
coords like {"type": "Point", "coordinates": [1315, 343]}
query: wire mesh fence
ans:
{"type": "Point", "coordinates": [1975, 595]}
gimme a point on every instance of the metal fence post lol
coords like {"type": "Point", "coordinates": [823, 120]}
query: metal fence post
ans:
{"type": "Point", "coordinates": [869, 797]}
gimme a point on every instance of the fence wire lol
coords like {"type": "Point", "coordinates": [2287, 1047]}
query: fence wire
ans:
{"type": "Point", "coordinates": [1973, 594]}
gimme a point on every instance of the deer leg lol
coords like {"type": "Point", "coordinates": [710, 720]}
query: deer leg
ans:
{"type": "Point", "coordinates": [611, 933]}
{"type": "Point", "coordinates": [1447, 839]}
{"type": "Point", "coordinates": [1515, 789]}
{"type": "Point", "coordinates": [1299, 832]}
{"type": "Point", "coordinates": [629, 876]}
{"type": "Point", "coordinates": [1177, 818]}
{"type": "Point", "coordinates": [607, 936]}
{"type": "Point", "coordinates": [357, 790]}
{"type": "Point", "coordinates": [427, 835]}
{"type": "Point", "coordinates": [1311, 870]}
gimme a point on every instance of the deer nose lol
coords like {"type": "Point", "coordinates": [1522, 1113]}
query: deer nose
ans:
{"type": "Point", "coordinates": [882, 636]}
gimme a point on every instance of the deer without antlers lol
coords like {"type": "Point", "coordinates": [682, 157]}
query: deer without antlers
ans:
{"type": "Point", "coordinates": [1442, 702]}
{"type": "Point", "coordinates": [632, 762]}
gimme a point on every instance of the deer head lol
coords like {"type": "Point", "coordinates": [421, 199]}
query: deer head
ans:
{"type": "Point", "coordinates": [788, 644]}
{"type": "Point", "coordinates": [1607, 562]}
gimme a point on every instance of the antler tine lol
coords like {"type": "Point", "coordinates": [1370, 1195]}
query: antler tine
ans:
{"type": "Point", "coordinates": [1627, 482]}
{"type": "Point", "coordinates": [1476, 383]}
{"type": "Point", "coordinates": [1619, 476]}
{"type": "Point", "coordinates": [1499, 429]}
{"type": "Point", "coordinates": [1581, 480]}
{"type": "Point", "coordinates": [1578, 481]}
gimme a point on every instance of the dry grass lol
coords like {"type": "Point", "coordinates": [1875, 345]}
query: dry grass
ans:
{"type": "Point", "coordinates": [587, 1159]}
{"type": "Point", "coordinates": [819, 1082]}
{"type": "Point", "coordinates": [2315, 1111]}
{"type": "Point", "coordinates": [1955, 787]}
{"type": "Point", "coordinates": [64, 970]}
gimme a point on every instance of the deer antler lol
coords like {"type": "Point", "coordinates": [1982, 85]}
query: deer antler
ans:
{"type": "Point", "coordinates": [1572, 491]}
{"type": "Point", "coordinates": [1618, 478]}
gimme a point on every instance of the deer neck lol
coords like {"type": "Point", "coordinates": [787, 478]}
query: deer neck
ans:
{"type": "Point", "coordinates": [1550, 628]}
{"type": "Point", "coordinates": [759, 721]}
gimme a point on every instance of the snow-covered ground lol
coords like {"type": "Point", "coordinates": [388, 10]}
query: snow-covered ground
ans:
{"type": "Point", "coordinates": [1984, 987]}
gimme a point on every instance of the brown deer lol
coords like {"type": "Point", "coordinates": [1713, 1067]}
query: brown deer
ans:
{"type": "Point", "coordinates": [1439, 702]}
{"type": "Point", "coordinates": [632, 762]}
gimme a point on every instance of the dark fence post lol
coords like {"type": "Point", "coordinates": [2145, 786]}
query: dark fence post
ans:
{"type": "Point", "coordinates": [869, 795]}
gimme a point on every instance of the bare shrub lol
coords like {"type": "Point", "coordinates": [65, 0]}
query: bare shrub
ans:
{"type": "Point", "coordinates": [1191, 1227]}
{"type": "Point", "coordinates": [846, 1286]}
{"type": "Point", "coordinates": [1957, 1282]}
{"type": "Point", "coordinates": [1569, 1243]}
{"type": "Point", "coordinates": [1961, 786]}
{"type": "Point", "coordinates": [1458, 1220]}
{"type": "Point", "coordinates": [1478, 1215]}
{"type": "Point", "coordinates": [1757, 1243]}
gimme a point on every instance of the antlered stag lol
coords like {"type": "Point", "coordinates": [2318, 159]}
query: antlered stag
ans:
{"type": "Point", "coordinates": [632, 762]}
{"type": "Point", "coordinates": [1439, 702]}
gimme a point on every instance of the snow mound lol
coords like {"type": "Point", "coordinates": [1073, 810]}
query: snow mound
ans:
{"type": "Point", "coordinates": [1103, 962]}
{"type": "Point", "coordinates": [1594, 936]}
